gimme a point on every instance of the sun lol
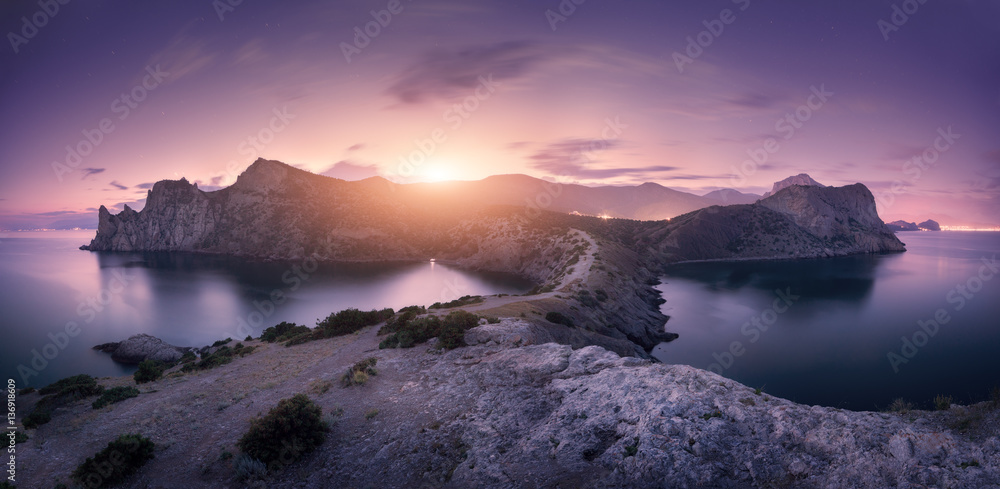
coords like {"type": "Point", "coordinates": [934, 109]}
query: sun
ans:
{"type": "Point", "coordinates": [437, 173]}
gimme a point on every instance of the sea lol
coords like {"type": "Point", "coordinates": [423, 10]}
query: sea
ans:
{"type": "Point", "coordinates": [852, 332]}
{"type": "Point", "coordinates": [58, 302]}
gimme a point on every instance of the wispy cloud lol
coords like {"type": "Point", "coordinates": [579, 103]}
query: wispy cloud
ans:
{"type": "Point", "coordinates": [115, 184]}
{"type": "Point", "coordinates": [573, 158]}
{"type": "Point", "coordinates": [448, 74]}
{"type": "Point", "coordinates": [86, 172]}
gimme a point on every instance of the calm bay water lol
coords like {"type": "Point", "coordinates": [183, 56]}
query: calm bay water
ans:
{"type": "Point", "coordinates": [827, 336]}
{"type": "Point", "coordinates": [184, 299]}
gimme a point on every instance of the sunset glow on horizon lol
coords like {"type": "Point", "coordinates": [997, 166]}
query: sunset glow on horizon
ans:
{"type": "Point", "coordinates": [105, 99]}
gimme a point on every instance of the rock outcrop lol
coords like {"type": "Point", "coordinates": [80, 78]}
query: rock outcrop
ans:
{"type": "Point", "coordinates": [142, 347]}
{"type": "Point", "coordinates": [796, 222]}
{"type": "Point", "coordinates": [929, 225]}
{"type": "Point", "coordinates": [800, 179]}
{"type": "Point", "coordinates": [902, 226]}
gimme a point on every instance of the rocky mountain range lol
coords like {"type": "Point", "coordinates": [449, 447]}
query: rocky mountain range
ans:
{"type": "Point", "coordinates": [928, 225]}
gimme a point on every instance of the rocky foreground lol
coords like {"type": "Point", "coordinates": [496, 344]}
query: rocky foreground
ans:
{"type": "Point", "coordinates": [506, 412]}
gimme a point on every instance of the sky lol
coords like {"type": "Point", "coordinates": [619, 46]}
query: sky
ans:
{"type": "Point", "coordinates": [100, 99]}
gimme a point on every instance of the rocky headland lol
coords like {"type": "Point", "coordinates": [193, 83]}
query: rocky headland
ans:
{"type": "Point", "coordinates": [528, 402]}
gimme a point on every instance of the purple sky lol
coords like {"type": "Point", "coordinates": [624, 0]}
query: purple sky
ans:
{"type": "Point", "coordinates": [599, 99]}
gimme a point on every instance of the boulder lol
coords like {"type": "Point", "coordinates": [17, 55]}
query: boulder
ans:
{"type": "Point", "coordinates": [141, 347]}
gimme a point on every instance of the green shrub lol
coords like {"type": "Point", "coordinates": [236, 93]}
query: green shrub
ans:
{"type": "Point", "coordinates": [149, 370]}
{"type": "Point", "coordinates": [221, 356]}
{"type": "Point", "coordinates": [116, 462]}
{"type": "Point", "coordinates": [359, 372]}
{"type": "Point", "coordinates": [413, 309]}
{"type": "Point", "coordinates": [492, 320]}
{"type": "Point", "coordinates": [558, 318]}
{"type": "Point", "coordinates": [221, 342]}
{"type": "Point", "coordinates": [35, 419]}
{"type": "Point", "coordinates": [942, 403]}
{"type": "Point", "coordinates": [248, 338]}
{"type": "Point", "coordinates": [60, 393]}
{"type": "Point", "coordinates": [115, 394]}
{"type": "Point", "coordinates": [294, 427]}
{"type": "Point", "coordinates": [371, 413]}
{"type": "Point", "coordinates": [351, 320]}
{"type": "Point", "coordinates": [188, 357]}
{"type": "Point", "coordinates": [248, 468]}
{"type": "Point", "coordinates": [465, 300]}
{"type": "Point", "coordinates": [77, 386]}
{"type": "Point", "coordinates": [586, 299]}
{"type": "Point", "coordinates": [20, 437]}
{"type": "Point", "coordinates": [455, 325]}
{"type": "Point", "coordinates": [271, 334]}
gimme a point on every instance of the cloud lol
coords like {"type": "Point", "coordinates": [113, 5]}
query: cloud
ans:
{"type": "Point", "coordinates": [183, 54]}
{"type": "Point", "coordinates": [91, 171]}
{"type": "Point", "coordinates": [144, 186]}
{"type": "Point", "coordinates": [355, 147]}
{"type": "Point", "coordinates": [347, 170]}
{"type": "Point", "coordinates": [449, 74]}
{"type": "Point", "coordinates": [114, 183]}
{"type": "Point", "coordinates": [570, 158]}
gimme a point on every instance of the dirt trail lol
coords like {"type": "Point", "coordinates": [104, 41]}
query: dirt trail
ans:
{"type": "Point", "coordinates": [579, 274]}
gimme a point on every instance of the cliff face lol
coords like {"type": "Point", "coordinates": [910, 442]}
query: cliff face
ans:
{"type": "Point", "coordinates": [511, 412]}
{"type": "Point", "coordinates": [797, 222]}
{"type": "Point", "coordinates": [800, 179]}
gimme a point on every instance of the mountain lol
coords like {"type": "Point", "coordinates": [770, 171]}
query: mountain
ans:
{"type": "Point", "coordinates": [903, 226]}
{"type": "Point", "coordinates": [800, 179]}
{"type": "Point", "coordinates": [511, 223]}
{"type": "Point", "coordinates": [929, 225]}
{"type": "Point", "coordinates": [649, 201]}
{"type": "Point", "coordinates": [796, 222]}
{"type": "Point", "coordinates": [728, 196]}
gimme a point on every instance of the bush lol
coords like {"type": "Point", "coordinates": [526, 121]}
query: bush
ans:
{"type": "Point", "coordinates": [358, 373]}
{"type": "Point", "coordinates": [558, 318]}
{"type": "Point", "coordinates": [455, 325]}
{"type": "Point", "coordinates": [942, 403]}
{"type": "Point", "coordinates": [20, 437]}
{"type": "Point", "coordinates": [249, 468]}
{"type": "Point", "coordinates": [149, 370]}
{"type": "Point", "coordinates": [408, 331]}
{"type": "Point", "coordinates": [294, 427]}
{"type": "Point", "coordinates": [414, 309]}
{"type": "Point", "coordinates": [35, 419]}
{"type": "Point", "coordinates": [221, 342]}
{"type": "Point", "coordinates": [60, 393]}
{"type": "Point", "coordinates": [188, 357]}
{"type": "Point", "coordinates": [113, 465]}
{"type": "Point", "coordinates": [77, 386]}
{"type": "Point", "coordinates": [465, 300]}
{"type": "Point", "coordinates": [115, 394]}
{"type": "Point", "coordinates": [221, 356]}
{"type": "Point", "coordinates": [282, 332]}
{"type": "Point", "coordinates": [351, 320]}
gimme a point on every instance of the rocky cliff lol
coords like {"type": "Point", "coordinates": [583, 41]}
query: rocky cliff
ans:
{"type": "Point", "coordinates": [796, 222]}
{"type": "Point", "coordinates": [509, 412]}
{"type": "Point", "coordinates": [800, 179]}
